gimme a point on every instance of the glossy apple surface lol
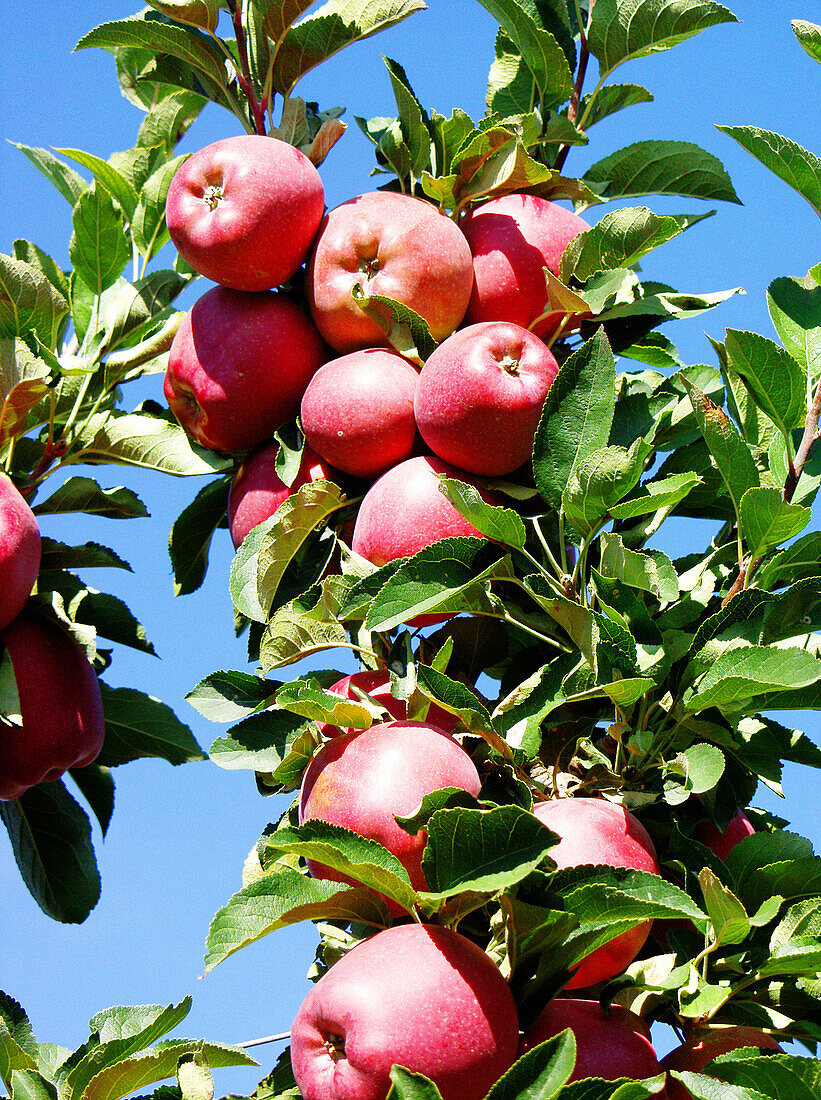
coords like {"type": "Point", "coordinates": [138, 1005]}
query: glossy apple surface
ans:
{"type": "Point", "coordinates": [513, 238]}
{"type": "Point", "coordinates": [593, 830]}
{"type": "Point", "coordinates": [357, 411]}
{"type": "Point", "coordinates": [480, 396]}
{"type": "Point", "coordinates": [238, 367]}
{"type": "Point", "coordinates": [393, 245]}
{"type": "Point", "coordinates": [244, 211]}
{"type": "Point", "coordinates": [377, 684]}
{"type": "Point", "coordinates": [694, 1054]}
{"type": "Point", "coordinates": [19, 551]}
{"type": "Point", "coordinates": [403, 512]}
{"type": "Point", "coordinates": [418, 996]}
{"type": "Point", "coordinates": [722, 843]}
{"type": "Point", "coordinates": [608, 1045]}
{"type": "Point", "coordinates": [257, 489]}
{"type": "Point", "coordinates": [61, 711]}
{"type": "Point", "coordinates": [364, 779]}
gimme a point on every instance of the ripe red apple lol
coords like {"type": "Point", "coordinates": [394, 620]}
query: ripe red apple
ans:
{"type": "Point", "coordinates": [694, 1054]}
{"type": "Point", "coordinates": [722, 843]}
{"type": "Point", "coordinates": [357, 411]}
{"type": "Point", "coordinates": [418, 996]}
{"type": "Point", "coordinates": [60, 724]}
{"type": "Point", "coordinates": [608, 1045]}
{"type": "Point", "coordinates": [238, 367]}
{"type": "Point", "coordinates": [403, 511]}
{"type": "Point", "coordinates": [393, 245]}
{"type": "Point", "coordinates": [513, 238]}
{"type": "Point", "coordinates": [377, 684]}
{"type": "Point", "coordinates": [257, 489]}
{"type": "Point", "coordinates": [364, 779]}
{"type": "Point", "coordinates": [19, 551]}
{"type": "Point", "coordinates": [244, 211]}
{"type": "Point", "coordinates": [593, 830]}
{"type": "Point", "coordinates": [480, 396]}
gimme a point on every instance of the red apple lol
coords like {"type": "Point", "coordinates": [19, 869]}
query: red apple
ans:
{"type": "Point", "coordinates": [694, 1054]}
{"type": "Point", "coordinates": [19, 551]}
{"type": "Point", "coordinates": [238, 367]}
{"type": "Point", "coordinates": [513, 238]}
{"type": "Point", "coordinates": [244, 211]}
{"type": "Point", "coordinates": [722, 843]}
{"type": "Point", "coordinates": [357, 411]}
{"type": "Point", "coordinates": [608, 1045]}
{"type": "Point", "coordinates": [480, 396]}
{"type": "Point", "coordinates": [377, 684]}
{"type": "Point", "coordinates": [593, 830]}
{"type": "Point", "coordinates": [60, 724]}
{"type": "Point", "coordinates": [392, 245]}
{"type": "Point", "coordinates": [257, 489]}
{"type": "Point", "coordinates": [403, 512]}
{"type": "Point", "coordinates": [418, 996]}
{"type": "Point", "coordinates": [364, 779]}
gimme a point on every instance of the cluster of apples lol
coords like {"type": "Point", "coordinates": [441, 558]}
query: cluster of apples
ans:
{"type": "Point", "coordinates": [58, 722]}
{"type": "Point", "coordinates": [248, 213]}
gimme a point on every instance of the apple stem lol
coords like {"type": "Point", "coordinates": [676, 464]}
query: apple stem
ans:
{"type": "Point", "coordinates": [283, 1035]}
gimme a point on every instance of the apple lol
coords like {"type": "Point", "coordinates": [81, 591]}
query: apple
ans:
{"type": "Point", "coordinates": [377, 684]}
{"type": "Point", "coordinates": [403, 512]}
{"type": "Point", "coordinates": [238, 366]}
{"type": "Point", "coordinates": [357, 411]}
{"type": "Point", "coordinates": [593, 830]}
{"type": "Point", "coordinates": [364, 779]}
{"type": "Point", "coordinates": [722, 843]}
{"type": "Point", "coordinates": [393, 245]}
{"type": "Point", "coordinates": [513, 238]}
{"type": "Point", "coordinates": [609, 1044]}
{"type": "Point", "coordinates": [60, 723]}
{"type": "Point", "coordinates": [257, 489]}
{"type": "Point", "coordinates": [697, 1052]}
{"type": "Point", "coordinates": [244, 211]}
{"type": "Point", "coordinates": [418, 996]}
{"type": "Point", "coordinates": [480, 396]}
{"type": "Point", "coordinates": [19, 551]}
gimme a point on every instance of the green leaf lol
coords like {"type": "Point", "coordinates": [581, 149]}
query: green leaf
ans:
{"type": "Point", "coordinates": [99, 247]}
{"type": "Point", "coordinates": [600, 479]}
{"type": "Point", "coordinates": [17, 1046]}
{"type": "Point", "coordinates": [728, 916]}
{"type": "Point", "coordinates": [148, 224]}
{"type": "Point", "coordinates": [809, 35]}
{"type": "Point", "coordinates": [327, 30]}
{"type": "Point", "coordinates": [309, 699]}
{"type": "Point", "coordinates": [610, 98]}
{"type": "Point", "coordinates": [654, 496]}
{"type": "Point", "coordinates": [797, 167]}
{"type": "Point", "coordinates": [405, 329]}
{"type": "Point", "coordinates": [661, 168]}
{"type": "Point", "coordinates": [24, 382]}
{"type": "Point", "coordinates": [69, 183]}
{"type": "Point", "coordinates": [278, 899]}
{"type": "Point", "coordinates": [411, 1086]}
{"type": "Point", "coordinates": [737, 676]}
{"type": "Point", "coordinates": [775, 381]}
{"type": "Point", "coordinates": [618, 240]}
{"type": "Point", "coordinates": [497, 523]}
{"type": "Point", "coordinates": [703, 765]}
{"type": "Point", "coordinates": [96, 785]}
{"type": "Point", "coordinates": [576, 416]}
{"type": "Point", "coordinates": [51, 839]}
{"type": "Point", "coordinates": [29, 1085]}
{"type": "Point", "coordinates": [138, 439]}
{"type": "Point", "coordinates": [484, 851]}
{"type": "Point", "coordinates": [767, 520]}
{"type": "Point", "coordinates": [261, 742]}
{"type": "Point", "coordinates": [795, 311]}
{"type": "Point", "coordinates": [412, 118]}
{"type": "Point", "coordinates": [191, 533]}
{"type": "Point", "coordinates": [160, 1061]}
{"type": "Point", "coordinates": [648, 570]}
{"type": "Point", "coordinates": [622, 33]}
{"type": "Point", "coordinates": [83, 494]}
{"type": "Point", "coordinates": [227, 696]}
{"type": "Point", "coordinates": [539, 49]}
{"type": "Point", "coordinates": [106, 174]}
{"type": "Point", "coordinates": [195, 13]}
{"type": "Point", "coordinates": [540, 1073]}
{"type": "Point", "coordinates": [137, 725]}
{"type": "Point", "coordinates": [28, 302]}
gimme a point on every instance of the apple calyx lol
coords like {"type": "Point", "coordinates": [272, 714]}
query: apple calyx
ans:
{"type": "Point", "coordinates": [335, 1046]}
{"type": "Point", "coordinates": [509, 363]}
{"type": "Point", "coordinates": [213, 196]}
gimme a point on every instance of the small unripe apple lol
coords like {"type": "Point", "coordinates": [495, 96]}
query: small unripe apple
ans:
{"type": "Point", "coordinates": [513, 238]}
{"type": "Point", "coordinates": [391, 245]}
{"type": "Point", "coordinates": [593, 830]}
{"type": "Point", "coordinates": [377, 684]}
{"type": "Point", "coordinates": [480, 396]}
{"type": "Point", "coordinates": [364, 779]}
{"type": "Point", "coordinates": [238, 367]}
{"type": "Point", "coordinates": [404, 511]}
{"type": "Point", "coordinates": [244, 211]}
{"type": "Point", "coordinates": [695, 1053]}
{"type": "Point", "coordinates": [19, 551]}
{"type": "Point", "coordinates": [608, 1044]}
{"type": "Point", "coordinates": [61, 723]}
{"type": "Point", "coordinates": [357, 411]}
{"type": "Point", "coordinates": [418, 996]}
{"type": "Point", "coordinates": [257, 489]}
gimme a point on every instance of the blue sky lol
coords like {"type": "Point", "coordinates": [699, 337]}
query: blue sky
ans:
{"type": "Point", "coordinates": [179, 836]}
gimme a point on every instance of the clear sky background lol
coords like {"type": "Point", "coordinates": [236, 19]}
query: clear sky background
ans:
{"type": "Point", "coordinates": [174, 851]}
